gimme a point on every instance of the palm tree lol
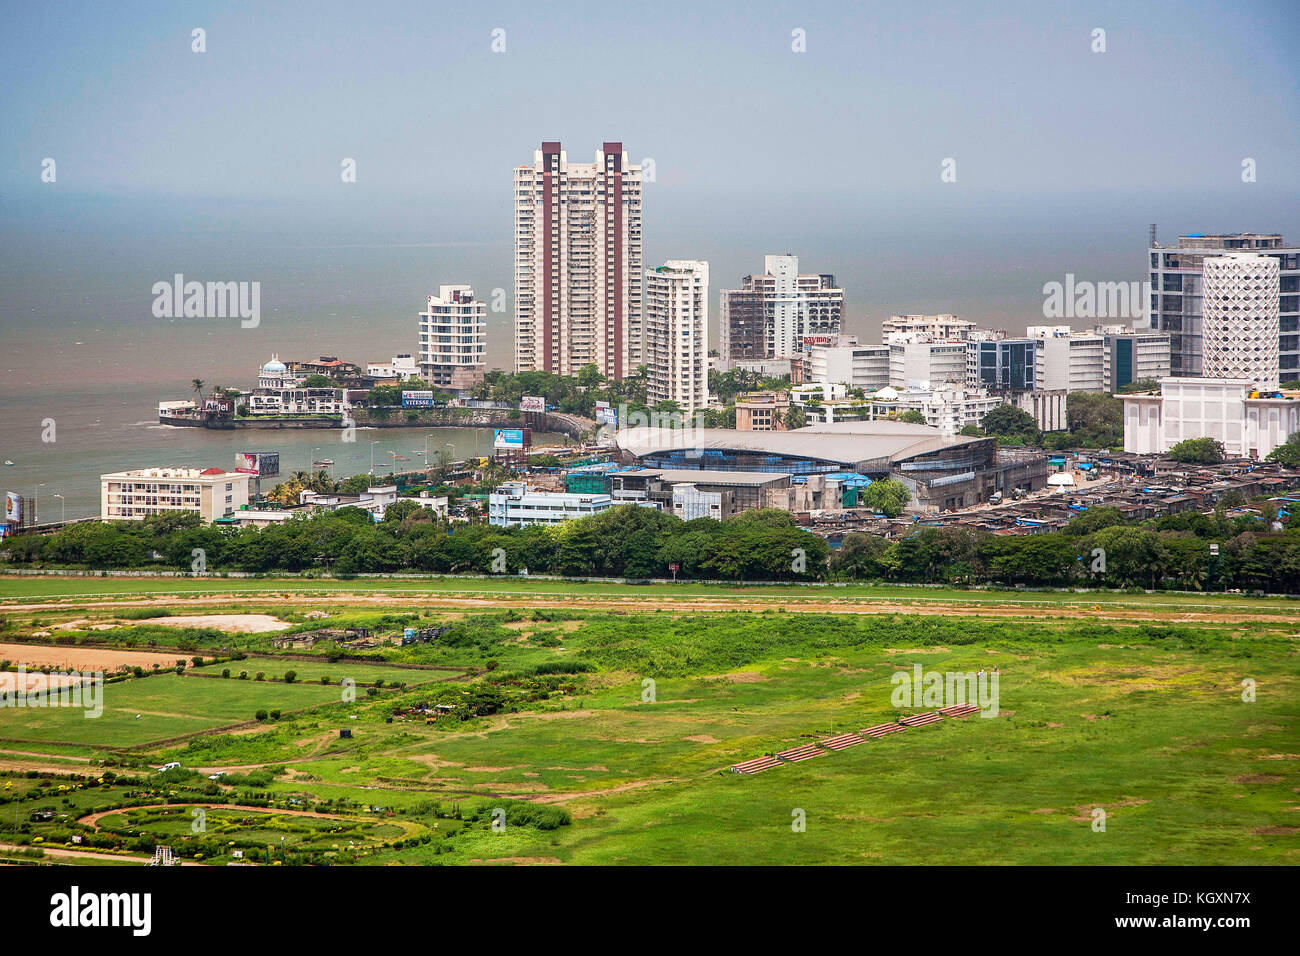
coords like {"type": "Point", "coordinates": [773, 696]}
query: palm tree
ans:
{"type": "Point", "coordinates": [197, 386]}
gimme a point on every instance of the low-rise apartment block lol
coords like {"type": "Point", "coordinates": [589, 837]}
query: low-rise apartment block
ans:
{"type": "Point", "coordinates": [210, 493]}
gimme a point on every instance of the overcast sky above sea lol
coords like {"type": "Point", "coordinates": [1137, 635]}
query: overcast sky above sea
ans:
{"type": "Point", "coordinates": [225, 164]}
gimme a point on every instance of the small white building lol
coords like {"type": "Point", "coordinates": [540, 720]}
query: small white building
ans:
{"type": "Point", "coordinates": [515, 504]}
{"type": "Point", "coordinates": [401, 367]}
{"type": "Point", "coordinates": [296, 401]}
{"type": "Point", "coordinates": [1249, 423]}
{"type": "Point", "coordinates": [210, 493]}
{"type": "Point", "coordinates": [375, 500]}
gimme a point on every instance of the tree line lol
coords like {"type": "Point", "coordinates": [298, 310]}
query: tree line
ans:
{"type": "Point", "coordinates": [1098, 548]}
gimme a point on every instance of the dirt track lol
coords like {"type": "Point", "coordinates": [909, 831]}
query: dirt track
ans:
{"type": "Point", "coordinates": [812, 604]}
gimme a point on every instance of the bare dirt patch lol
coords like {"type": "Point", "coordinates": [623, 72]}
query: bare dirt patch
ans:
{"type": "Point", "coordinates": [742, 677]}
{"type": "Point", "coordinates": [1260, 778]}
{"type": "Point", "coordinates": [232, 623]}
{"type": "Point", "coordinates": [702, 739]}
{"type": "Point", "coordinates": [84, 659]}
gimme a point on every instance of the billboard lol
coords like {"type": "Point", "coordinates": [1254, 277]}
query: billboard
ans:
{"type": "Point", "coordinates": [264, 464]}
{"type": "Point", "coordinates": [417, 399]}
{"type": "Point", "coordinates": [219, 406]}
{"type": "Point", "coordinates": [607, 416]}
{"type": "Point", "coordinates": [512, 439]}
{"type": "Point", "coordinates": [532, 403]}
{"type": "Point", "coordinates": [14, 509]}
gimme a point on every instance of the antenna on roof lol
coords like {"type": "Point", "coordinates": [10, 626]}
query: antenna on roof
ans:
{"type": "Point", "coordinates": [1154, 244]}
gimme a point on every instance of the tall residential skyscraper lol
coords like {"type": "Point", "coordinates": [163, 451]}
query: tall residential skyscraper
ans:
{"type": "Point", "coordinates": [676, 341]}
{"type": "Point", "coordinates": [578, 269]}
{"type": "Point", "coordinates": [1176, 295]}
{"type": "Point", "coordinates": [769, 316]}
{"type": "Point", "coordinates": [453, 338]}
{"type": "Point", "coordinates": [1240, 329]}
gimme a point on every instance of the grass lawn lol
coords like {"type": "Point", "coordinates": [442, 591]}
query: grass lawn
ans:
{"type": "Point", "coordinates": [1144, 721]}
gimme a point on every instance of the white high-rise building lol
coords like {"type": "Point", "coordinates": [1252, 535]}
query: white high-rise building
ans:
{"type": "Point", "coordinates": [578, 263]}
{"type": "Point", "coordinates": [772, 313]}
{"type": "Point", "coordinates": [676, 340]}
{"type": "Point", "coordinates": [1240, 326]}
{"type": "Point", "coordinates": [453, 338]}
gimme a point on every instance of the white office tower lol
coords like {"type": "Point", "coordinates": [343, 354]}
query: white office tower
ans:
{"type": "Point", "coordinates": [676, 340]}
{"type": "Point", "coordinates": [453, 338]}
{"type": "Point", "coordinates": [578, 263]}
{"type": "Point", "coordinates": [1240, 328]}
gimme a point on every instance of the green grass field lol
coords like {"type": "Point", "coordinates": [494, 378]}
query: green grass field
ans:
{"type": "Point", "coordinates": [1144, 720]}
{"type": "Point", "coordinates": [169, 705]}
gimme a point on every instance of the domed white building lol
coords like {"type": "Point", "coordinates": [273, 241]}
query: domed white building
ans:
{"type": "Point", "coordinates": [274, 374]}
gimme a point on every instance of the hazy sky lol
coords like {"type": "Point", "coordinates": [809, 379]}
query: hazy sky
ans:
{"type": "Point", "coordinates": [1063, 155]}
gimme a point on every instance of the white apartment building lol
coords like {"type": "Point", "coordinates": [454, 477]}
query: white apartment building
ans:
{"type": "Point", "coordinates": [937, 327]}
{"type": "Point", "coordinates": [676, 340]}
{"type": "Point", "coordinates": [210, 493]}
{"type": "Point", "coordinates": [578, 263]}
{"type": "Point", "coordinates": [515, 504]}
{"type": "Point", "coordinates": [1223, 409]}
{"type": "Point", "coordinates": [402, 366]}
{"type": "Point", "coordinates": [857, 366]}
{"type": "Point", "coordinates": [1240, 312]}
{"type": "Point", "coordinates": [453, 338]}
{"type": "Point", "coordinates": [947, 407]}
{"type": "Point", "coordinates": [926, 364]}
{"type": "Point", "coordinates": [772, 313]}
